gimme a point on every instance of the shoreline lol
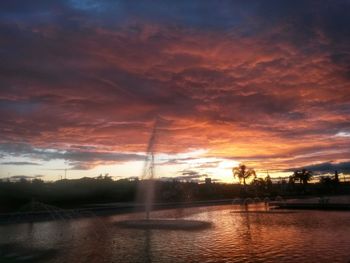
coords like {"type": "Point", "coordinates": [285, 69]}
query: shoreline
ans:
{"type": "Point", "coordinates": [107, 209]}
{"type": "Point", "coordinates": [97, 210]}
{"type": "Point", "coordinates": [312, 206]}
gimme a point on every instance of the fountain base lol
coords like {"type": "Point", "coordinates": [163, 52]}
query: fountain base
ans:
{"type": "Point", "coordinates": [169, 224]}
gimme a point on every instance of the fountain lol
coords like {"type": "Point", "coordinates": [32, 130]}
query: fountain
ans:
{"type": "Point", "coordinates": [147, 186]}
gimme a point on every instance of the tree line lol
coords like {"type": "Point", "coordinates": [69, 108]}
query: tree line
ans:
{"type": "Point", "coordinates": [103, 189]}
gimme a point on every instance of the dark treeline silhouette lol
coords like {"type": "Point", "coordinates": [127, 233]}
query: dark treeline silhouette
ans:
{"type": "Point", "coordinates": [103, 189]}
{"type": "Point", "coordinates": [79, 192]}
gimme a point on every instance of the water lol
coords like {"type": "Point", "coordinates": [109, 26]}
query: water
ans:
{"type": "Point", "coordinates": [305, 236]}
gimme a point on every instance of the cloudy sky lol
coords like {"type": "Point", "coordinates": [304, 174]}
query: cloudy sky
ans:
{"type": "Point", "coordinates": [266, 83]}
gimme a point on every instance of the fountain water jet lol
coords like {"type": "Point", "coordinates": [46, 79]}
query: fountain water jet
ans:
{"type": "Point", "coordinates": [148, 171]}
{"type": "Point", "coordinates": [148, 185]}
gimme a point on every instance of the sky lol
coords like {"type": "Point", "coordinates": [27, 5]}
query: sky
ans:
{"type": "Point", "coordinates": [265, 83]}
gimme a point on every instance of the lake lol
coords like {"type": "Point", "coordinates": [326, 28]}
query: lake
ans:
{"type": "Point", "coordinates": [236, 235]}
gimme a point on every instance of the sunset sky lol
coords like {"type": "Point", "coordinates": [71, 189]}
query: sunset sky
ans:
{"type": "Point", "coordinates": [265, 83]}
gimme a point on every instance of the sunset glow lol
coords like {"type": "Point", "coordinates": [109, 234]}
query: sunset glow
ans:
{"type": "Point", "coordinates": [261, 83]}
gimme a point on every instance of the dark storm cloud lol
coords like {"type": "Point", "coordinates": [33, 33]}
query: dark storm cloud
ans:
{"type": "Point", "coordinates": [312, 26]}
{"type": "Point", "coordinates": [329, 167]}
{"type": "Point", "coordinates": [305, 18]}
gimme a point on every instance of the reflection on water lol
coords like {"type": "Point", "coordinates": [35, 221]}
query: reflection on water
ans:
{"type": "Point", "coordinates": [236, 236]}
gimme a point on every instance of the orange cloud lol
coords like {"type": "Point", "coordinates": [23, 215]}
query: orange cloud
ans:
{"type": "Point", "coordinates": [259, 98]}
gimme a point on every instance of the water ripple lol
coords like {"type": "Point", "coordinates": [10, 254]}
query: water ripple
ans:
{"type": "Point", "coordinates": [236, 236]}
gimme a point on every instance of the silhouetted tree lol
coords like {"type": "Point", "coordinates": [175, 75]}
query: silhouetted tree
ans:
{"type": "Point", "coordinates": [37, 181]}
{"type": "Point", "coordinates": [327, 184]}
{"type": "Point", "coordinates": [259, 186]}
{"type": "Point", "coordinates": [268, 183]}
{"type": "Point", "coordinates": [336, 177]}
{"type": "Point", "coordinates": [304, 176]}
{"type": "Point", "coordinates": [291, 183]}
{"type": "Point", "coordinates": [243, 173]}
{"type": "Point", "coordinates": [330, 184]}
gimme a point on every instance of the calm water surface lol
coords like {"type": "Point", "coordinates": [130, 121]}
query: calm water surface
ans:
{"type": "Point", "coordinates": [236, 236]}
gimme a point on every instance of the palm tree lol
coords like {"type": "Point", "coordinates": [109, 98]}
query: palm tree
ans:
{"type": "Point", "coordinates": [304, 176]}
{"type": "Point", "coordinates": [243, 173]}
